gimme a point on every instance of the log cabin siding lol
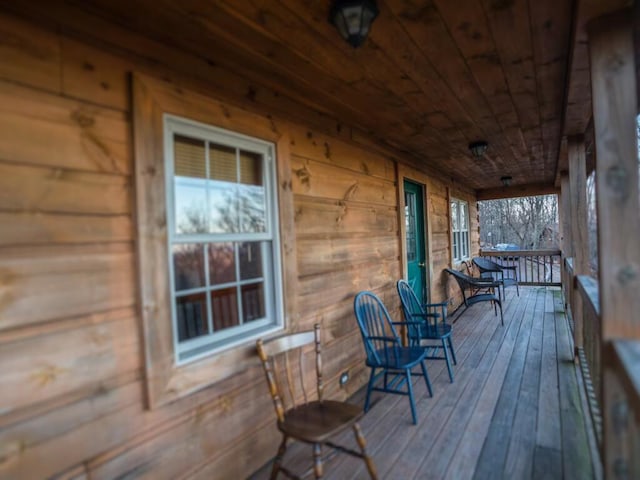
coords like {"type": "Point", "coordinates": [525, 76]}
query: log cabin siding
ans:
{"type": "Point", "coordinates": [73, 401]}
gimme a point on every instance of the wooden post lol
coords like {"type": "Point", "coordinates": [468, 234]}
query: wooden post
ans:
{"type": "Point", "coordinates": [565, 216]}
{"type": "Point", "coordinates": [613, 84]}
{"type": "Point", "coordinates": [578, 221]}
{"type": "Point", "coordinates": [566, 244]}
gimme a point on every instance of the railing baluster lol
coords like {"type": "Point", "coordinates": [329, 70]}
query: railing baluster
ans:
{"type": "Point", "coordinates": [530, 264]}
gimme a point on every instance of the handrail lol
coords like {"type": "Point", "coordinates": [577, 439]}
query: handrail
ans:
{"type": "Point", "coordinates": [533, 267]}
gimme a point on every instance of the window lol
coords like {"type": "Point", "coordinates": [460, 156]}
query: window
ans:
{"type": "Point", "coordinates": [222, 237]}
{"type": "Point", "coordinates": [460, 230]}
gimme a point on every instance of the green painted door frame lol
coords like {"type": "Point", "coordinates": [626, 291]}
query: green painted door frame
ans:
{"type": "Point", "coordinates": [415, 244]}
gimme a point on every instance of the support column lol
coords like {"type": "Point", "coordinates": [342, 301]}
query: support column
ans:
{"type": "Point", "coordinates": [578, 227]}
{"type": "Point", "coordinates": [613, 84]}
{"type": "Point", "coordinates": [566, 245]}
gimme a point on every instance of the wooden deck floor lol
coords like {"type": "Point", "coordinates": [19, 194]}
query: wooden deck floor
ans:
{"type": "Point", "coordinates": [514, 411]}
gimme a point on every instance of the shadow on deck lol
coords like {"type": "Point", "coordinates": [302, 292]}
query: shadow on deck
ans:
{"type": "Point", "coordinates": [515, 410]}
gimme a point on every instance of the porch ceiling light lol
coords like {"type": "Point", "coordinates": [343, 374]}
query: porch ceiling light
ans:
{"type": "Point", "coordinates": [353, 19]}
{"type": "Point", "coordinates": [506, 181]}
{"type": "Point", "coordinates": [478, 148]}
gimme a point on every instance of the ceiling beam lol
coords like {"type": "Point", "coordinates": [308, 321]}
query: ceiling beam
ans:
{"type": "Point", "coordinates": [516, 191]}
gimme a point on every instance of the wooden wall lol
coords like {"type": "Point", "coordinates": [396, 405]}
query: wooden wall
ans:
{"type": "Point", "coordinates": [73, 400]}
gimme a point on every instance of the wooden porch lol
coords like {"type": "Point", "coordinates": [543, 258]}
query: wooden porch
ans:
{"type": "Point", "coordinates": [515, 410]}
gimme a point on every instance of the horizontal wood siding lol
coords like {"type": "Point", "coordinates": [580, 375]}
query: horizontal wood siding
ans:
{"type": "Point", "coordinates": [73, 401]}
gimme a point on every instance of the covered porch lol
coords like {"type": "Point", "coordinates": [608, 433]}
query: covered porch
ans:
{"type": "Point", "coordinates": [99, 381]}
{"type": "Point", "coordinates": [516, 409]}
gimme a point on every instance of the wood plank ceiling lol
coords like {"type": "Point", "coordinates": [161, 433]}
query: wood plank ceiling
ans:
{"type": "Point", "coordinates": [433, 76]}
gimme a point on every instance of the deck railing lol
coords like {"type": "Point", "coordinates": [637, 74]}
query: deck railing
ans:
{"type": "Point", "coordinates": [618, 378]}
{"type": "Point", "coordinates": [534, 267]}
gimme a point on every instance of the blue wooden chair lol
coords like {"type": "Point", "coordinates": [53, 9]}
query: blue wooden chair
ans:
{"type": "Point", "coordinates": [478, 291]}
{"type": "Point", "coordinates": [430, 324]}
{"type": "Point", "coordinates": [386, 356]}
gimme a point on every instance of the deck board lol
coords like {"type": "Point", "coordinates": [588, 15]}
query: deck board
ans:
{"type": "Point", "coordinates": [513, 411]}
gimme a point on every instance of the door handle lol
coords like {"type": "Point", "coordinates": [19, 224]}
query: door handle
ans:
{"type": "Point", "coordinates": [422, 264]}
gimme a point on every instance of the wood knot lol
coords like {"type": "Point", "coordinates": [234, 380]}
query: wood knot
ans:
{"type": "Point", "coordinates": [88, 67]}
{"type": "Point", "coordinates": [82, 119]}
{"type": "Point", "coordinates": [304, 175]}
{"type": "Point", "coordinates": [626, 275]}
{"type": "Point", "coordinates": [618, 182]}
{"type": "Point", "coordinates": [327, 150]}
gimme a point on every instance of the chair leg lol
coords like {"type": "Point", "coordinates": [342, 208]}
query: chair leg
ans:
{"type": "Point", "coordinates": [501, 316]}
{"type": "Point", "coordinates": [446, 358]}
{"type": "Point", "coordinates": [453, 352]}
{"type": "Point", "coordinates": [369, 387]}
{"type": "Point", "coordinates": [517, 288]}
{"type": "Point", "coordinates": [425, 374]}
{"type": "Point", "coordinates": [277, 462]}
{"type": "Point", "coordinates": [317, 460]}
{"type": "Point", "coordinates": [410, 392]}
{"type": "Point", "coordinates": [362, 443]}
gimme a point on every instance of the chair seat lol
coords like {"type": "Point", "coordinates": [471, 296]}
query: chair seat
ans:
{"type": "Point", "coordinates": [314, 422]}
{"type": "Point", "coordinates": [435, 332]}
{"type": "Point", "coordinates": [407, 357]}
{"type": "Point", "coordinates": [482, 297]}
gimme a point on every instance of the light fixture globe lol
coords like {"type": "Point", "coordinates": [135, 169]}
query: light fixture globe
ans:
{"type": "Point", "coordinates": [353, 19]}
{"type": "Point", "coordinates": [479, 148]}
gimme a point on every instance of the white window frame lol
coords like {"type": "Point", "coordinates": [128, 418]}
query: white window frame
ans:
{"type": "Point", "coordinates": [193, 349]}
{"type": "Point", "coordinates": [461, 231]}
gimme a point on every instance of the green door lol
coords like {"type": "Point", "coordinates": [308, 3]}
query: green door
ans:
{"type": "Point", "coordinates": [415, 242]}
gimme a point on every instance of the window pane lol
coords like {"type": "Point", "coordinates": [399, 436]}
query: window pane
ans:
{"type": "Point", "coordinates": [223, 208]}
{"type": "Point", "coordinates": [252, 302]}
{"type": "Point", "coordinates": [224, 306]}
{"type": "Point", "coordinates": [465, 244]}
{"type": "Point", "coordinates": [188, 266]}
{"type": "Point", "coordinates": [189, 158]}
{"type": "Point", "coordinates": [456, 245]}
{"type": "Point", "coordinates": [191, 311]}
{"type": "Point", "coordinates": [463, 216]}
{"type": "Point", "coordinates": [191, 211]}
{"type": "Point", "coordinates": [410, 222]}
{"type": "Point", "coordinates": [251, 199]}
{"type": "Point", "coordinates": [222, 263]}
{"type": "Point", "coordinates": [251, 168]}
{"type": "Point", "coordinates": [222, 163]}
{"type": "Point", "coordinates": [454, 216]}
{"type": "Point", "coordinates": [250, 257]}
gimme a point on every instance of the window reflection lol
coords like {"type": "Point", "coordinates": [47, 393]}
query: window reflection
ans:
{"type": "Point", "coordinates": [188, 266]}
{"type": "Point", "coordinates": [191, 311]}
{"type": "Point", "coordinates": [252, 302]}
{"type": "Point", "coordinates": [250, 257]}
{"type": "Point", "coordinates": [224, 306]}
{"type": "Point", "coordinates": [222, 264]}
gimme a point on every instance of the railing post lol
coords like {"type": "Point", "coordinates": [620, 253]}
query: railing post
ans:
{"type": "Point", "coordinates": [578, 221]}
{"type": "Point", "coordinates": [613, 84]}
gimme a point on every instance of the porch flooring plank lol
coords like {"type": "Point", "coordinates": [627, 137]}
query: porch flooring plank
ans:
{"type": "Point", "coordinates": [513, 411]}
{"type": "Point", "coordinates": [470, 446]}
{"type": "Point", "coordinates": [519, 462]}
{"type": "Point", "coordinates": [494, 451]}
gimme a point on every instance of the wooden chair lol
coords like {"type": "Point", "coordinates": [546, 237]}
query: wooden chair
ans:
{"type": "Point", "coordinates": [299, 417]}
{"type": "Point", "coordinates": [385, 351]}
{"type": "Point", "coordinates": [494, 271]}
{"type": "Point", "coordinates": [432, 324]}
{"type": "Point", "coordinates": [478, 285]}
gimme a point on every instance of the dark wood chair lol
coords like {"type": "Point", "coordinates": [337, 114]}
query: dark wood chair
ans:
{"type": "Point", "coordinates": [494, 271]}
{"type": "Point", "coordinates": [311, 420]}
{"type": "Point", "coordinates": [479, 286]}
{"type": "Point", "coordinates": [386, 356]}
{"type": "Point", "coordinates": [431, 319]}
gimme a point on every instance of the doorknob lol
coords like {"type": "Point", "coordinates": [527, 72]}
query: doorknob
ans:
{"type": "Point", "coordinates": [421, 264]}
